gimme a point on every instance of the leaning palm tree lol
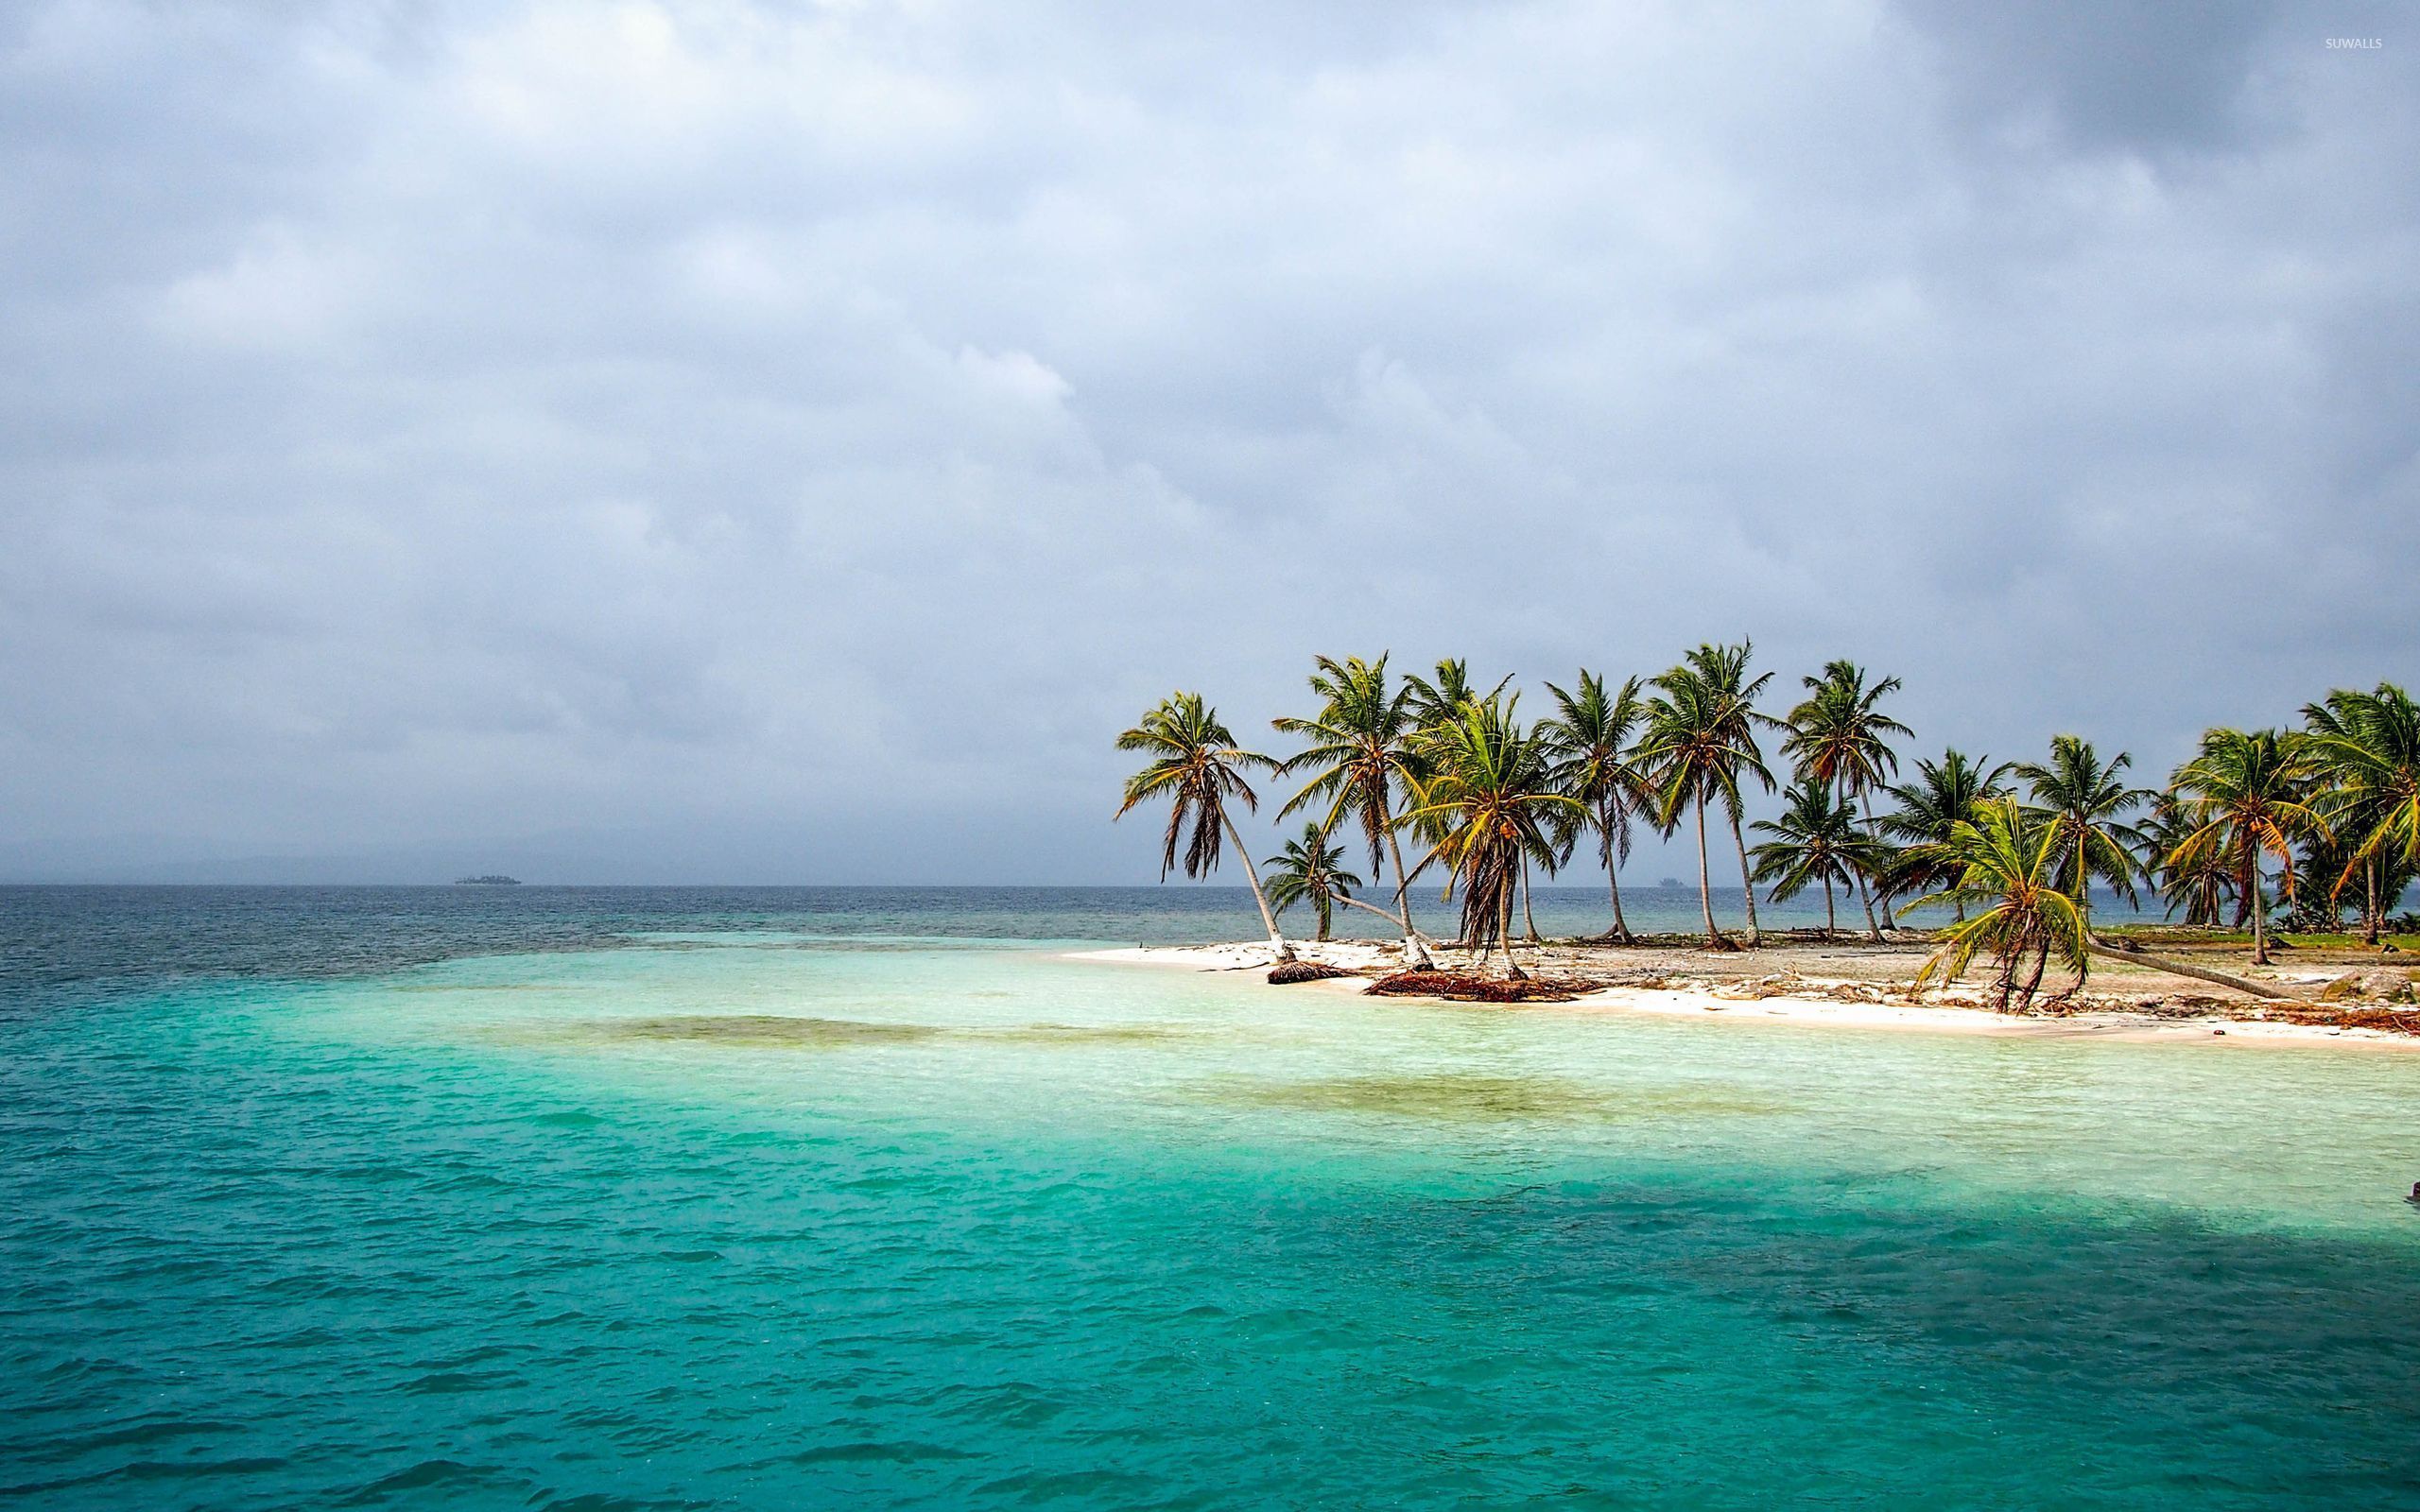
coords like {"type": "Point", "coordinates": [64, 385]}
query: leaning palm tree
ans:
{"type": "Point", "coordinates": [2248, 797]}
{"type": "Point", "coordinates": [1198, 766]}
{"type": "Point", "coordinates": [1816, 839]}
{"type": "Point", "coordinates": [1930, 807]}
{"type": "Point", "coordinates": [2009, 861]}
{"type": "Point", "coordinates": [1590, 735]}
{"type": "Point", "coordinates": [1362, 757]}
{"type": "Point", "coordinates": [1487, 793]}
{"type": "Point", "coordinates": [2086, 801]}
{"type": "Point", "coordinates": [2368, 743]}
{"type": "Point", "coordinates": [1310, 870]}
{"type": "Point", "coordinates": [1838, 736]}
{"type": "Point", "coordinates": [1724, 670]}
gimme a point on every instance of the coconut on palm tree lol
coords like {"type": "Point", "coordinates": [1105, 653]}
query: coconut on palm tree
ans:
{"type": "Point", "coordinates": [1362, 757]}
{"type": "Point", "coordinates": [2009, 861]}
{"type": "Point", "coordinates": [1487, 793]}
{"type": "Point", "coordinates": [1930, 807]}
{"type": "Point", "coordinates": [2368, 743]}
{"type": "Point", "coordinates": [1838, 736]}
{"type": "Point", "coordinates": [2247, 794]}
{"type": "Point", "coordinates": [2086, 801]}
{"type": "Point", "coordinates": [1310, 870]}
{"type": "Point", "coordinates": [1817, 839]}
{"type": "Point", "coordinates": [1198, 766]}
{"type": "Point", "coordinates": [1590, 735]}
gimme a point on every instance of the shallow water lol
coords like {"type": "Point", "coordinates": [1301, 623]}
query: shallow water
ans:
{"type": "Point", "coordinates": [770, 1216]}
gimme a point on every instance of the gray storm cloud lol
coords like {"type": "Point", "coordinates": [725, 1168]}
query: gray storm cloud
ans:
{"type": "Point", "coordinates": [785, 442]}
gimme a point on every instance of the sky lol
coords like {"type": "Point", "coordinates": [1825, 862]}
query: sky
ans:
{"type": "Point", "coordinates": [787, 441]}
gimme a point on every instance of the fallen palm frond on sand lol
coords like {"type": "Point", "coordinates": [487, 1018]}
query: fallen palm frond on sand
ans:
{"type": "Point", "coordinates": [1468, 987]}
{"type": "Point", "coordinates": [1284, 974]}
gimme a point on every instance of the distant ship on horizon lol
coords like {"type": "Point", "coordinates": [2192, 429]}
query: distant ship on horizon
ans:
{"type": "Point", "coordinates": [491, 879]}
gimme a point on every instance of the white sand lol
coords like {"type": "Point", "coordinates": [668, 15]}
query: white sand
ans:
{"type": "Point", "coordinates": [1257, 955]}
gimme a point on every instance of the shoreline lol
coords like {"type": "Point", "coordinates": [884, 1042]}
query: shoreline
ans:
{"type": "Point", "coordinates": [1779, 992]}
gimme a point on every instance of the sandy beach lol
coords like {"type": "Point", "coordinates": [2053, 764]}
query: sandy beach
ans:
{"type": "Point", "coordinates": [1833, 984]}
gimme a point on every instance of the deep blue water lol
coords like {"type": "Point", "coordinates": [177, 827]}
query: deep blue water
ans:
{"type": "Point", "coordinates": [638, 1198]}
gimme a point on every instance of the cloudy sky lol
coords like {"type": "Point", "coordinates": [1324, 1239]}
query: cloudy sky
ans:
{"type": "Point", "coordinates": [786, 441]}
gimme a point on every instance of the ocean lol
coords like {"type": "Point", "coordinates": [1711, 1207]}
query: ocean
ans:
{"type": "Point", "coordinates": [627, 1197]}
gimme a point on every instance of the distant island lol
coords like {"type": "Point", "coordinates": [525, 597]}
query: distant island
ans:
{"type": "Point", "coordinates": [490, 880]}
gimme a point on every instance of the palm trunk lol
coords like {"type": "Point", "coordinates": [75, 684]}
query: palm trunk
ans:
{"type": "Point", "coordinates": [2033, 982]}
{"type": "Point", "coordinates": [2098, 946]}
{"type": "Point", "coordinates": [1252, 874]}
{"type": "Point", "coordinates": [1528, 918]}
{"type": "Point", "coordinates": [2259, 918]}
{"type": "Point", "coordinates": [1747, 886]}
{"type": "Point", "coordinates": [2370, 909]}
{"type": "Point", "coordinates": [1415, 939]}
{"type": "Point", "coordinates": [1414, 958]}
{"type": "Point", "coordinates": [1504, 931]}
{"type": "Point", "coordinates": [2005, 982]}
{"type": "Point", "coordinates": [1831, 921]}
{"type": "Point", "coordinates": [1864, 893]}
{"type": "Point", "coordinates": [1705, 881]}
{"type": "Point", "coordinates": [1614, 884]}
{"type": "Point", "coordinates": [2243, 885]}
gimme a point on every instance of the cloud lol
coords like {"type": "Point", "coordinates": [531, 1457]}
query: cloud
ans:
{"type": "Point", "coordinates": [693, 422]}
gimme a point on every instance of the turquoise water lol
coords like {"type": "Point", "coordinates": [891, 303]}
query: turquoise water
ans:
{"type": "Point", "coordinates": [705, 1201]}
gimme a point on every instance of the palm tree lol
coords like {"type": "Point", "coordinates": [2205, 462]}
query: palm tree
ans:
{"type": "Point", "coordinates": [2201, 884]}
{"type": "Point", "coordinates": [1816, 839]}
{"type": "Point", "coordinates": [1838, 735]}
{"type": "Point", "coordinates": [1487, 793]}
{"type": "Point", "coordinates": [1724, 671]}
{"type": "Point", "coordinates": [1361, 754]}
{"type": "Point", "coordinates": [1686, 756]}
{"type": "Point", "coordinates": [2247, 795]}
{"type": "Point", "coordinates": [2369, 746]}
{"type": "Point", "coordinates": [2310, 898]}
{"type": "Point", "coordinates": [1441, 703]}
{"type": "Point", "coordinates": [1590, 736]}
{"type": "Point", "coordinates": [1310, 870]}
{"type": "Point", "coordinates": [2009, 863]}
{"type": "Point", "coordinates": [1438, 703]}
{"type": "Point", "coordinates": [1198, 766]}
{"type": "Point", "coordinates": [1930, 807]}
{"type": "Point", "coordinates": [2085, 801]}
